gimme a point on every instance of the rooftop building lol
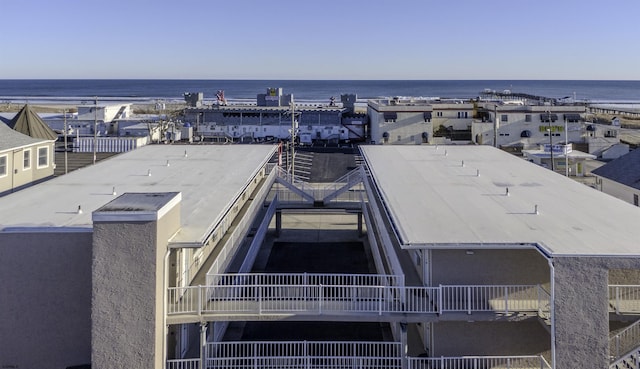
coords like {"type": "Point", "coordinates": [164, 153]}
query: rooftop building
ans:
{"type": "Point", "coordinates": [210, 256]}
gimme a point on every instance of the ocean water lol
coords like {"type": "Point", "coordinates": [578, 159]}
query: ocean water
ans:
{"type": "Point", "coordinates": [318, 90]}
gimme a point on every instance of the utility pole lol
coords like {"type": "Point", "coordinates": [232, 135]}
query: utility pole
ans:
{"type": "Point", "coordinates": [566, 148]}
{"type": "Point", "coordinates": [64, 111]}
{"type": "Point", "coordinates": [293, 138]}
{"type": "Point", "coordinates": [550, 140]}
{"type": "Point", "coordinates": [95, 130]}
{"type": "Point", "coordinates": [495, 125]}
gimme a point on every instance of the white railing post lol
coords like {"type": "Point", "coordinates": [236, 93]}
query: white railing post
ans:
{"type": "Point", "coordinates": [617, 308]}
{"type": "Point", "coordinates": [440, 299]}
{"type": "Point", "coordinates": [380, 300]}
{"type": "Point", "coordinates": [506, 300]}
{"type": "Point", "coordinates": [255, 356]}
{"type": "Point", "coordinates": [259, 297]}
{"type": "Point", "coordinates": [539, 301]}
{"type": "Point", "coordinates": [468, 299]}
{"type": "Point", "coordinates": [199, 300]}
{"type": "Point", "coordinates": [320, 298]}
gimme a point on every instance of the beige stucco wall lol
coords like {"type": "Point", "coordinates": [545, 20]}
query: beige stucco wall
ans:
{"type": "Point", "coordinates": [618, 190]}
{"type": "Point", "coordinates": [128, 292]}
{"type": "Point", "coordinates": [455, 267]}
{"type": "Point", "coordinates": [45, 171]}
{"type": "Point", "coordinates": [45, 309]}
{"type": "Point", "coordinates": [124, 293]}
{"type": "Point", "coordinates": [17, 176]}
{"type": "Point", "coordinates": [490, 338]}
{"type": "Point", "coordinates": [582, 307]}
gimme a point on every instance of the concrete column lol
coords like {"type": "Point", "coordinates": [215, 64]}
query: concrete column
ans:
{"type": "Point", "coordinates": [203, 344]}
{"type": "Point", "coordinates": [130, 237]}
{"type": "Point", "coordinates": [278, 222]}
{"type": "Point", "coordinates": [581, 313]}
{"type": "Point", "coordinates": [404, 345]}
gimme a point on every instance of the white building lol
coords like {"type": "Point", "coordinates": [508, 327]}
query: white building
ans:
{"type": "Point", "coordinates": [415, 120]}
{"type": "Point", "coordinates": [621, 177]}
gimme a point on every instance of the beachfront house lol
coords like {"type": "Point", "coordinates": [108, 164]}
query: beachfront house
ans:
{"type": "Point", "coordinates": [24, 160]}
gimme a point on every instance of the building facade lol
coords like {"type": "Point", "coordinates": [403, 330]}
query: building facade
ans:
{"type": "Point", "coordinates": [272, 118]}
{"type": "Point", "coordinates": [24, 161]}
{"type": "Point", "coordinates": [418, 121]}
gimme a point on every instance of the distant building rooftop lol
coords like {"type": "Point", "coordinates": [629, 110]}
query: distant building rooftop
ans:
{"type": "Point", "coordinates": [209, 178]}
{"type": "Point", "coordinates": [625, 169]}
{"type": "Point", "coordinates": [10, 139]}
{"type": "Point", "coordinates": [436, 201]}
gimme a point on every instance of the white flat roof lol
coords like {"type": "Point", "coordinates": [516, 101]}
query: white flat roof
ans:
{"type": "Point", "coordinates": [209, 179]}
{"type": "Point", "coordinates": [434, 200]}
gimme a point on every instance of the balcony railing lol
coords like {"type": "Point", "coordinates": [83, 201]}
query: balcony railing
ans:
{"type": "Point", "coordinates": [278, 298]}
{"type": "Point", "coordinates": [339, 355]}
{"type": "Point", "coordinates": [629, 361]}
{"type": "Point", "coordinates": [624, 341]}
{"type": "Point", "coordinates": [183, 364]}
{"type": "Point", "coordinates": [624, 299]}
{"type": "Point", "coordinates": [480, 362]}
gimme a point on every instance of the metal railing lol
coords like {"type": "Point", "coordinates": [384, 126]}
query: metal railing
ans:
{"type": "Point", "coordinates": [624, 341]}
{"type": "Point", "coordinates": [629, 361]}
{"type": "Point", "coordinates": [347, 355]}
{"type": "Point", "coordinates": [304, 354]}
{"type": "Point", "coordinates": [239, 297]}
{"type": "Point", "coordinates": [294, 279]}
{"type": "Point", "coordinates": [183, 364]}
{"type": "Point", "coordinates": [233, 241]}
{"type": "Point", "coordinates": [507, 298]}
{"type": "Point", "coordinates": [624, 299]}
{"type": "Point", "coordinates": [480, 362]}
{"type": "Point", "coordinates": [544, 309]}
{"type": "Point", "coordinates": [344, 189]}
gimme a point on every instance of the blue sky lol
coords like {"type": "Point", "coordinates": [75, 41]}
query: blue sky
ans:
{"type": "Point", "coordinates": [329, 39]}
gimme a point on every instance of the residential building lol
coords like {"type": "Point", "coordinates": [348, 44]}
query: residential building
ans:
{"type": "Point", "coordinates": [621, 177]}
{"type": "Point", "coordinates": [24, 160]}
{"type": "Point", "coordinates": [270, 118]}
{"type": "Point", "coordinates": [160, 257]}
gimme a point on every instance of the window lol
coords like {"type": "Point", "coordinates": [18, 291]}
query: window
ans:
{"type": "Point", "coordinates": [43, 157]}
{"type": "Point", "coordinates": [636, 202]}
{"type": "Point", "coordinates": [438, 114]}
{"type": "Point", "coordinates": [3, 166]}
{"type": "Point", "coordinates": [504, 118]}
{"type": "Point", "coordinates": [390, 117]}
{"type": "Point", "coordinates": [26, 159]}
{"type": "Point", "coordinates": [527, 118]}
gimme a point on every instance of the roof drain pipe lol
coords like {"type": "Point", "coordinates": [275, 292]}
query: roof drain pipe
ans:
{"type": "Point", "coordinates": [552, 312]}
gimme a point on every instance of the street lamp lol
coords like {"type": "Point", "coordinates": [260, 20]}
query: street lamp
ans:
{"type": "Point", "coordinates": [550, 140]}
